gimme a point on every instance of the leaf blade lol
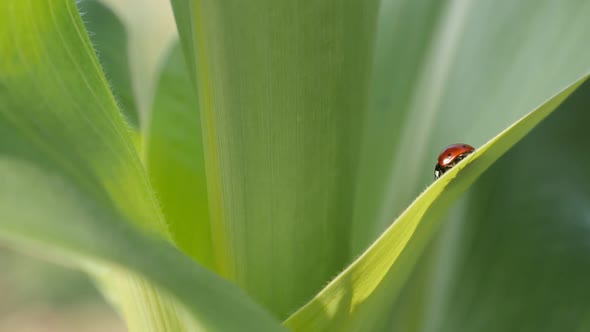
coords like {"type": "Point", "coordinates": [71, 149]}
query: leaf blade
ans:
{"type": "Point", "coordinates": [174, 158]}
{"type": "Point", "coordinates": [109, 38]}
{"type": "Point", "coordinates": [71, 180]}
{"type": "Point", "coordinates": [350, 293]}
{"type": "Point", "coordinates": [97, 235]}
{"type": "Point", "coordinates": [527, 217]}
{"type": "Point", "coordinates": [450, 72]}
{"type": "Point", "coordinates": [282, 107]}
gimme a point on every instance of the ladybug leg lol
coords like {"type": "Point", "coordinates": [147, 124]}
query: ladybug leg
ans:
{"type": "Point", "coordinates": [439, 171]}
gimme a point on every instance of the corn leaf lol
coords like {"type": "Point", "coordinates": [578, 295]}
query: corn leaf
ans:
{"type": "Point", "coordinates": [283, 90]}
{"type": "Point", "coordinates": [514, 255]}
{"type": "Point", "coordinates": [109, 38]}
{"type": "Point", "coordinates": [456, 71]}
{"type": "Point", "coordinates": [71, 184]}
{"type": "Point", "coordinates": [358, 298]}
{"type": "Point", "coordinates": [150, 30]}
{"type": "Point", "coordinates": [175, 161]}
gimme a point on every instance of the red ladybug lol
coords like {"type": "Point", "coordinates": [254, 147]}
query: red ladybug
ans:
{"type": "Point", "coordinates": [450, 156]}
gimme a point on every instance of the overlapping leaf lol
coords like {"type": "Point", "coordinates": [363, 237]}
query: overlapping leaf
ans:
{"type": "Point", "coordinates": [514, 257]}
{"type": "Point", "coordinates": [71, 185]}
{"type": "Point", "coordinates": [360, 296]}
{"type": "Point", "coordinates": [174, 157]}
{"type": "Point", "coordinates": [109, 38]}
{"type": "Point", "coordinates": [283, 88]}
{"type": "Point", "coordinates": [456, 71]}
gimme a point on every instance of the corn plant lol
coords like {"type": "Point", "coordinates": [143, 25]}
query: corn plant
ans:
{"type": "Point", "coordinates": [273, 169]}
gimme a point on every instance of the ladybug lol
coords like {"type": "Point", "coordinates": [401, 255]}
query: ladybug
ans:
{"type": "Point", "coordinates": [451, 156]}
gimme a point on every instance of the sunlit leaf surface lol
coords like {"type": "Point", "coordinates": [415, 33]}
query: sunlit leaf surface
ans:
{"type": "Point", "coordinates": [71, 185]}
{"type": "Point", "coordinates": [514, 255]}
{"type": "Point", "coordinates": [283, 91]}
{"type": "Point", "coordinates": [109, 37]}
{"type": "Point", "coordinates": [358, 298]}
{"type": "Point", "coordinates": [456, 71]}
{"type": "Point", "coordinates": [175, 162]}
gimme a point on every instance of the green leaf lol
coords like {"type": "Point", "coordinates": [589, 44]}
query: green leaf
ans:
{"type": "Point", "coordinates": [109, 38]}
{"type": "Point", "coordinates": [175, 161]}
{"type": "Point", "coordinates": [173, 149]}
{"type": "Point", "coordinates": [150, 32]}
{"type": "Point", "coordinates": [456, 71]}
{"type": "Point", "coordinates": [56, 99]}
{"type": "Point", "coordinates": [183, 15]}
{"type": "Point", "coordinates": [357, 298]}
{"type": "Point", "coordinates": [282, 89]}
{"type": "Point", "coordinates": [72, 186]}
{"type": "Point", "coordinates": [519, 260]}
{"type": "Point", "coordinates": [58, 219]}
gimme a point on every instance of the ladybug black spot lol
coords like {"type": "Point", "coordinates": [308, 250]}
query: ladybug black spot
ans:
{"type": "Point", "coordinates": [448, 155]}
{"type": "Point", "coordinates": [464, 146]}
